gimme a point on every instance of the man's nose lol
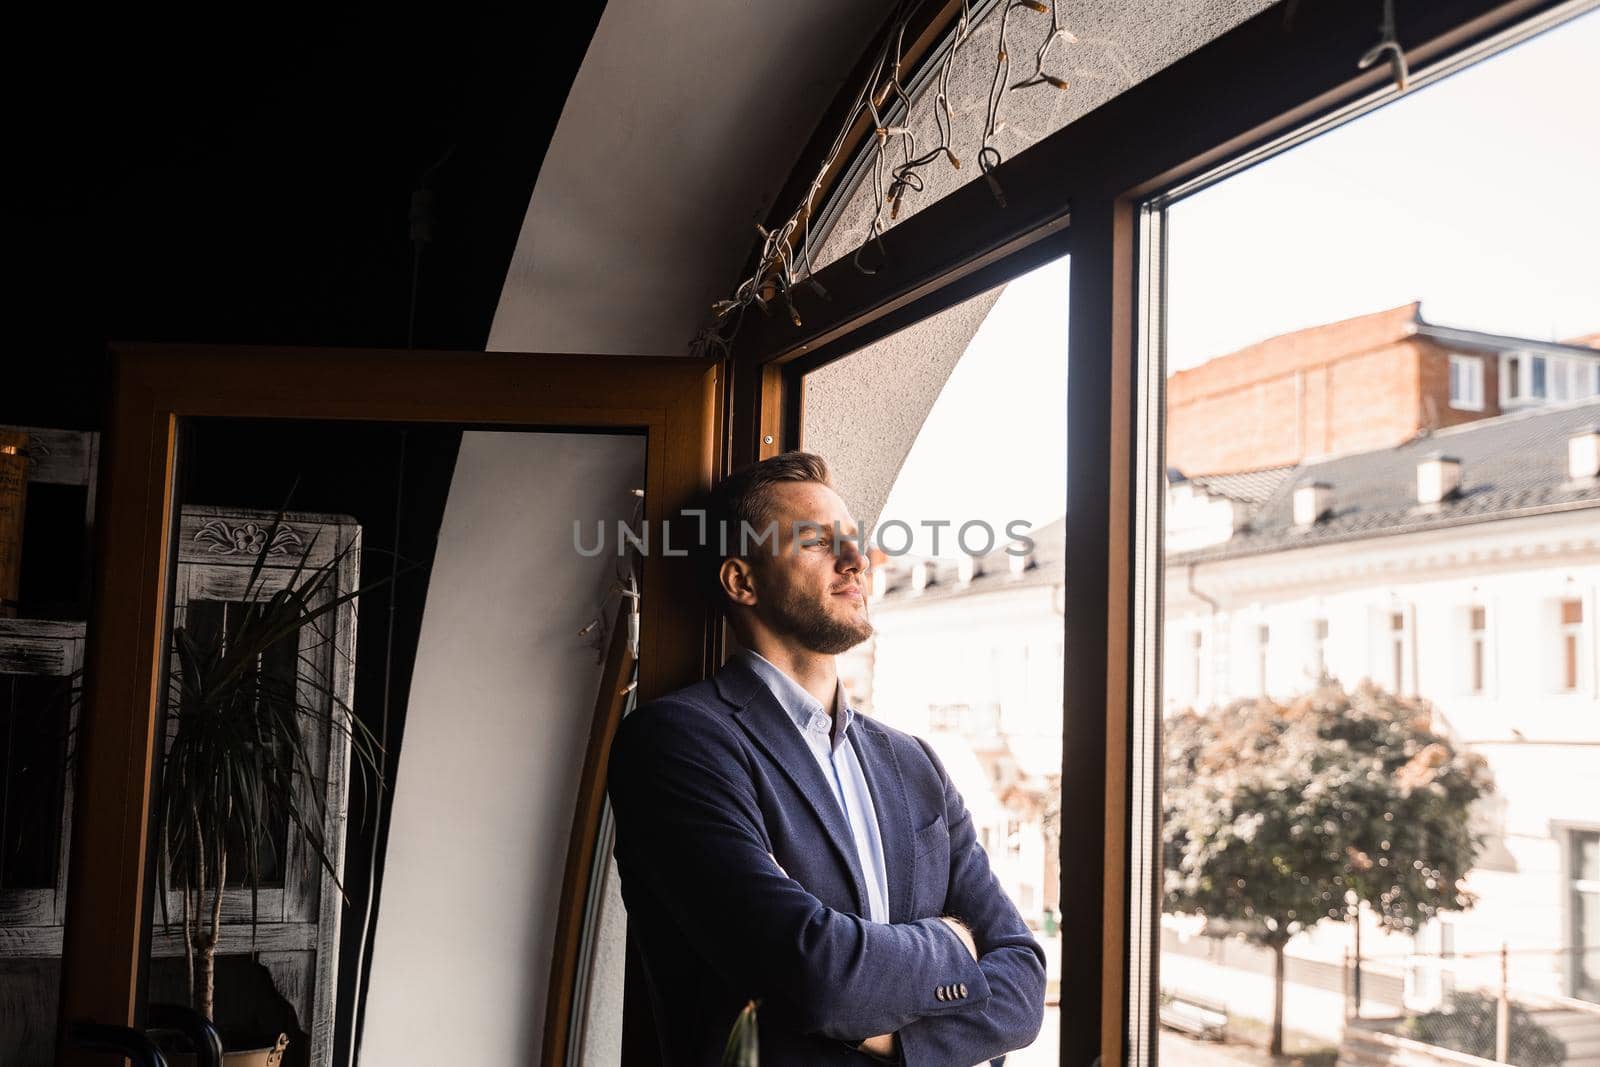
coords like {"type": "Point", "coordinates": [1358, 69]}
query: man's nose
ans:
{"type": "Point", "coordinates": [851, 558]}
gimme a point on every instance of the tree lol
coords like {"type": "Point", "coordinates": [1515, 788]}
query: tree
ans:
{"type": "Point", "coordinates": [1274, 812]}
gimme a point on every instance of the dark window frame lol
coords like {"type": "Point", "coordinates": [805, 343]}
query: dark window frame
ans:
{"type": "Point", "coordinates": [1095, 190]}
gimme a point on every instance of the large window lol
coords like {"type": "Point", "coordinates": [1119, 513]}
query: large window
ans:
{"type": "Point", "coordinates": [969, 563]}
{"type": "Point", "coordinates": [1328, 398]}
{"type": "Point", "coordinates": [1334, 410]}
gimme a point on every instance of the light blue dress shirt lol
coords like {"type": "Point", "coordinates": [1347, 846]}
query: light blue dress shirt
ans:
{"type": "Point", "coordinates": [837, 758]}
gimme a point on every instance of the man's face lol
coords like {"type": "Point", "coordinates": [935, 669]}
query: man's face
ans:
{"type": "Point", "coordinates": [812, 587]}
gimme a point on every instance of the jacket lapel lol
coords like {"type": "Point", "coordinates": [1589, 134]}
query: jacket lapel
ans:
{"type": "Point", "coordinates": [763, 718]}
{"type": "Point", "coordinates": [888, 788]}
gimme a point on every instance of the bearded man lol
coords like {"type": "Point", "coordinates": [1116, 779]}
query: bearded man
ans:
{"type": "Point", "coordinates": [776, 845]}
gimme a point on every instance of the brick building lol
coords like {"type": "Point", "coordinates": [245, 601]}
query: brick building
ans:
{"type": "Point", "coordinates": [1368, 382]}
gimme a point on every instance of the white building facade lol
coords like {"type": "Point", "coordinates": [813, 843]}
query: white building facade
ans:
{"type": "Point", "coordinates": [1464, 569]}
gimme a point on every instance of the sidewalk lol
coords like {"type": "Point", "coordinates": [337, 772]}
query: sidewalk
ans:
{"type": "Point", "coordinates": [1180, 1050]}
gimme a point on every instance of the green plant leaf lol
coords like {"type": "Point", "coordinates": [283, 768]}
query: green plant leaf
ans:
{"type": "Point", "coordinates": [743, 1047]}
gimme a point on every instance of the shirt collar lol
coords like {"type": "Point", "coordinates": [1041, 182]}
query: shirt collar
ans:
{"type": "Point", "coordinates": [803, 708]}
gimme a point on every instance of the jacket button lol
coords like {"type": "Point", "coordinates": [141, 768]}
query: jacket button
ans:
{"type": "Point", "coordinates": [940, 993]}
{"type": "Point", "coordinates": [962, 989]}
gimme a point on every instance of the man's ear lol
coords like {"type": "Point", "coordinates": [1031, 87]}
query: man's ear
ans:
{"type": "Point", "coordinates": [738, 581]}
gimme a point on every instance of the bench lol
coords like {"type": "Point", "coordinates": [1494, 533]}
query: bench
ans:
{"type": "Point", "coordinates": [1200, 1016]}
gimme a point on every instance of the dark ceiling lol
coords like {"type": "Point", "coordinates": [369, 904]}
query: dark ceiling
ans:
{"type": "Point", "coordinates": [248, 177]}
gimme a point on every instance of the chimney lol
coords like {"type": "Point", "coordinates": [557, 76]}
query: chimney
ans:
{"type": "Point", "coordinates": [1583, 454]}
{"type": "Point", "coordinates": [1438, 478]}
{"type": "Point", "coordinates": [1312, 500]}
{"type": "Point", "coordinates": [968, 567]}
{"type": "Point", "coordinates": [920, 576]}
{"type": "Point", "coordinates": [1020, 560]}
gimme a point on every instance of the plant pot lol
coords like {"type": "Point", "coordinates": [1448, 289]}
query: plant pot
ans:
{"type": "Point", "coordinates": [256, 1057]}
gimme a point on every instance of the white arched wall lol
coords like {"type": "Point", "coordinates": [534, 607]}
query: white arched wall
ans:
{"type": "Point", "coordinates": [685, 119]}
{"type": "Point", "coordinates": [498, 723]}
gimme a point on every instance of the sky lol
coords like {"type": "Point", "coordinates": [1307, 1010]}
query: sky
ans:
{"type": "Point", "coordinates": [1478, 195]}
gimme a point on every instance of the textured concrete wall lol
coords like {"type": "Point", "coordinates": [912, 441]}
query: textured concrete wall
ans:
{"type": "Point", "coordinates": [1119, 45]}
{"type": "Point", "coordinates": [863, 412]}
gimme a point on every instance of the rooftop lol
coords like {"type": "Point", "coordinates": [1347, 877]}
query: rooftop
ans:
{"type": "Point", "coordinates": [1046, 567]}
{"type": "Point", "coordinates": [1511, 465]}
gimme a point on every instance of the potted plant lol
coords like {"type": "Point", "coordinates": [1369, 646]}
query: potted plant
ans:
{"type": "Point", "coordinates": [238, 765]}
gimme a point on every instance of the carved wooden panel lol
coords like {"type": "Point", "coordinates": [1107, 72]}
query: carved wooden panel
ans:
{"type": "Point", "coordinates": [296, 937]}
{"type": "Point", "coordinates": [298, 918]}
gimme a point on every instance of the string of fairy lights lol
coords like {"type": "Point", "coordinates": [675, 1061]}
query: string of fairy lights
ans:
{"type": "Point", "coordinates": [897, 166]}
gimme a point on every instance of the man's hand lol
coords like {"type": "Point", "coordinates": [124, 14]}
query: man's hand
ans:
{"type": "Point", "coordinates": [882, 1046]}
{"type": "Point", "coordinates": [962, 932]}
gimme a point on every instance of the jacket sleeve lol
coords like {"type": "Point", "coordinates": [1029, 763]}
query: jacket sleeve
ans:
{"type": "Point", "coordinates": [690, 834]}
{"type": "Point", "coordinates": [1011, 960]}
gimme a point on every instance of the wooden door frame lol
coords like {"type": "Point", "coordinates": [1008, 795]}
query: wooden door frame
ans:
{"type": "Point", "coordinates": [1080, 191]}
{"type": "Point", "coordinates": [671, 402]}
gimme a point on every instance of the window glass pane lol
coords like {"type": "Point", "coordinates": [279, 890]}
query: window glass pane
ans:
{"type": "Point", "coordinates": [1308, 844]}
{"type": "Point", "coordinates": [948, 440]}
{"type": "Point", "coordinates": [1586, 857]}
{"type": "Point", "coordinates": [1586, 931]}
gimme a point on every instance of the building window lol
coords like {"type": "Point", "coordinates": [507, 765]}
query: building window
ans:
{"type": "Point", "coordinates": [1397, 651]}
{"type": "Point", "coordinates": [1571, 641]}
{"type": "Point", "coordinates": [1196, 663]}
{"type": "Point", "coordinates": [1560, 379]}
{"type": "Point", "coordinates": [1557, 378]}
{"type": "Point", "coordinates": [1583, 379]}
{"type": "Point", "coordinates": [1263, 644]}
{"type": "Point", "coordinates": [1319, 649]}
{"type": "Point", "coordinates": [1477, 637]}
{"type": "Point", "coordinates": [1466, 383]}
{"type": "Point", "coordinates": [1583, 864]}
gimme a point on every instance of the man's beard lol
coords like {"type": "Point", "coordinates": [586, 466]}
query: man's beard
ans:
{"type": "Point", "coordinates": [810, 624]}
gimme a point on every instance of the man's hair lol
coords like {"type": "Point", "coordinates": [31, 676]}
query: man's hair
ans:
{"type": "Point", "coordinates": [743, 501]}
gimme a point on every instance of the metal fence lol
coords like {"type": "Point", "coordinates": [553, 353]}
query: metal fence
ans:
{"type": "Point", "coordinates": [1504, 1005]}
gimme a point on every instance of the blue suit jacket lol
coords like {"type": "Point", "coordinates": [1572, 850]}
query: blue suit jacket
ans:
{"type": "Point", "coordinates": [712, 783]}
